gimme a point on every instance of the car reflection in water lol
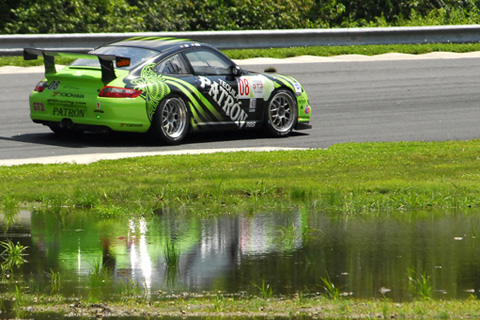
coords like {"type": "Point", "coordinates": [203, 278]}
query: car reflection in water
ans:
{"type": "Point", "coordinates": [172, 252]}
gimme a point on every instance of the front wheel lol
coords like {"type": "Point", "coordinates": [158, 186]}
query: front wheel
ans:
{"type": "Point", "coordinates": [171, 120]}
{"type": "Point", "coordinates": [281, 113]}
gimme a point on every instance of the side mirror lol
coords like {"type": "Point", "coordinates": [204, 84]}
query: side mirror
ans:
{"type": "Point", "coordinates": [237, 71]}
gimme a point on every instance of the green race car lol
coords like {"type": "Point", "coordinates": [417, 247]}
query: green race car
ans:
{"type": "Point", "coordinates": [167, 87]}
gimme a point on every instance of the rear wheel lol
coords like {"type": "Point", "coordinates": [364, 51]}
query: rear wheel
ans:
{"type": "Point", "coordinates": [281, 113]}
{"type": "Point", "coordinates": [171, 120]}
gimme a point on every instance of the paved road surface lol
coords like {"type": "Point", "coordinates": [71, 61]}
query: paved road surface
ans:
{"type": "Point", "coordinates": [383, 99]}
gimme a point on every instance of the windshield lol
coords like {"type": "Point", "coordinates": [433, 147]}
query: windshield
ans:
{"type": "Point", "coordinates": [137, 56]}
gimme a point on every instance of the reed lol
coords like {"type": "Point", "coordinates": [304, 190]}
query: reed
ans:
{"type": "Point", "coordinates": [331, 291]}
{"type": "Point", "coordinates": [265, 290]}
{"type": "Point", "coordinates": [12, 255]}
{"type": "Point", "coordinates": [55, 281]}
{"type": "Point", "coordinates": [420, 284]}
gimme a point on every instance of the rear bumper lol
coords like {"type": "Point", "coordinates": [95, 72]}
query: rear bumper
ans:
{"type": "Point", "coordinates": [303, 126]}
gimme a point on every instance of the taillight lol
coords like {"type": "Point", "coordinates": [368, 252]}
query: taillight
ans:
{"type": "Point", "coordinates": [116, 92]}
{"type": "Point", "coordinates": [40, 87]}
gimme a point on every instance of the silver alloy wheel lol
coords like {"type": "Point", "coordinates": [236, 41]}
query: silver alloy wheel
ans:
{"type": "Point", "coordinates": [174, 118]}
{"type": "Point", "coordinates": [281, 112]}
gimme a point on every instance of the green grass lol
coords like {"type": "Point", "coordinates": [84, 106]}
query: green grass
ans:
{"type": "Point", "coordinates": [214, 305]}
{"type": "Point", "coordinates": [350, 178]}
{"type": "Point", "coordinates": [20, 62]}
{"type": "Point", "coordinates": [280, 53]}
{"type": "Point", "coordinates": [369, 50]}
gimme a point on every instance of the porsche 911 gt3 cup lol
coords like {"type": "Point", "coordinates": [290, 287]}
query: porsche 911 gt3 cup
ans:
{"type": "Point", "coordinates": [167, 87]}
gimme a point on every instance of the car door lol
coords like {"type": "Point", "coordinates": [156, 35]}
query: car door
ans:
{"type": "Point", "coordinates": [215, 80]}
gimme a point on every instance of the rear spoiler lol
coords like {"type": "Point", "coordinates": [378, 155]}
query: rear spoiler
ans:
{"type": "Point", "coordinates": [106, 61]}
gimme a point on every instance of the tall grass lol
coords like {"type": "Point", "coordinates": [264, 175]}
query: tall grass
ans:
{"type": "Point", "coordinates": [265, 290]}
{"type": "Point", "coordinates": [331, 291]}
{"type": "Point", "coordinates": [419, 284]}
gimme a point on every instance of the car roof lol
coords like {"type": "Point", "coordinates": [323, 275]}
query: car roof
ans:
{"type": "Point", "coordinates": [158, 43]}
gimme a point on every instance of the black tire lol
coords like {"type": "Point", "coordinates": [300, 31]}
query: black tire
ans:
{"type": "Point", "coordinates": [171, 121]}
{"type": "Point", "coordinates": [281, 113]}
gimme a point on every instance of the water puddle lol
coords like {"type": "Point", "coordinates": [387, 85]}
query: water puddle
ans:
{"type": "Point", "coordinates": [79, 254]}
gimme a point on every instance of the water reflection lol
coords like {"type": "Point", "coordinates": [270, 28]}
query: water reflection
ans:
{"type": "Point", "coordinates": [292, 251]}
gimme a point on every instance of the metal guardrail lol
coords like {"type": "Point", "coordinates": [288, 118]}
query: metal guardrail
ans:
{"type": "Point", "coordinates": [14, 44]}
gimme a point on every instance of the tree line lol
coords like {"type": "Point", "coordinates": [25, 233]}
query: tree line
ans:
{"type": "Point", "coordinates": [86, 16]}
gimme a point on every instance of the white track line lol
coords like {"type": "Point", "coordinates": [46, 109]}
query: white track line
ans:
{"type": "Point", "coordinates": [94, 157]}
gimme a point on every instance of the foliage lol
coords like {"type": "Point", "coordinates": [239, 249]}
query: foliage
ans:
{"type": "Point", "coordinates": [61, 16]}
{"type": "Point", "coordinates": [79, 16]}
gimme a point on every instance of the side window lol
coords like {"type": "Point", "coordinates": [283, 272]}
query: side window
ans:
{"type": "Point", "coordinates": [207, 63]}
{"type": "Point", "coordinates": [172, 65]}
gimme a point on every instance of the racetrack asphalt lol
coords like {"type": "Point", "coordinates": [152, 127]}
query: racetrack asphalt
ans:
{"type": "Point", "coordinates": [89, 158]}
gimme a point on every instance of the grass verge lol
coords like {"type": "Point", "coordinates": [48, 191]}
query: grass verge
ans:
{"type": "Point", "coordinates": [280, 53]}
{"type": "Point", "coordinates": [350, 178]}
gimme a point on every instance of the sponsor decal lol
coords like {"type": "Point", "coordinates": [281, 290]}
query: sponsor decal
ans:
{"type": "Point", "coordinates": [53, 85]}
{"type": "Point", "coordinates": [255, 87]}
{"type": "Point", "coordinates": [66, 102]}
{"type": "Point", "coordinates": [68, 112]}
{"type": "Point", "coordinates": [70, 88]}
{"type": "Point", "coordinates": [307, 109]}
{"type": "Point", "coordinates": [68, 95]}
{"type": "Point", "coordinates": [226, 98]}
{"type": "Point", "coordinates": [38, 106]}
{"type": "Point", "coordinates": [131, 125]}
{"type": "Point", "coordinates": [289, 82]}
{"type": "Point", "coordinates": [253, 105]}
{"type": "Point", "coordinates": [298, 87]}
{"type": "Point", "coordinates": [153, 86]}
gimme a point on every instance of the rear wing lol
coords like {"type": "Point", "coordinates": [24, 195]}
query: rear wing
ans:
{"type": "Point", "coordinates": [106, 61]}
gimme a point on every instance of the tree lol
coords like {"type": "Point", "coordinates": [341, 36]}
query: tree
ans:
{"type": "Point", "coordinates": [84, 16]}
